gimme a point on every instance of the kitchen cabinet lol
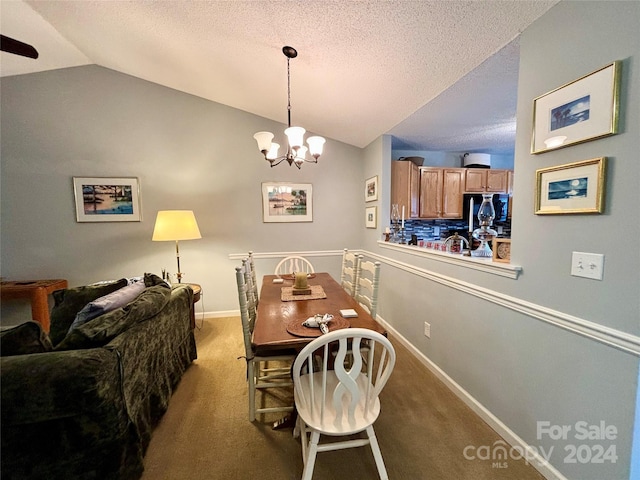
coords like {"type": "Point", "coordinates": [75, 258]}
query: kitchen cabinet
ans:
{"type": "Point", "coordinates": [405, 187]}
{"type": "Point", "coordinates": [441, 191]}
{"type": "Point", "coordinates": [486, 180]}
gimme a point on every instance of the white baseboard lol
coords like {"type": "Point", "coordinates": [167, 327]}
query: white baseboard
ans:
{"type": "Point", "coordinates": [217, 314]}
{"type": "Point", "coordinates": [535, 459]}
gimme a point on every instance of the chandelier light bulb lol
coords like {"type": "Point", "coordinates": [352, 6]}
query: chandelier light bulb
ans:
{"type": "Point", "coordinates": [315, 146]}
{"type": "Point", "coordinates": [264, 141]}
{"type": "Point", "coordinates": [272, 154]}
{"type": "Point", "coordinates": [295, 136]}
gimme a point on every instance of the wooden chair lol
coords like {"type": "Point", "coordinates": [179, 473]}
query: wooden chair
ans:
{"type": "Point", "coordinates": [254, 279]}
{"type": "Point", "coordinates": [259, 374]}
{"type": "Point", "coordinates": [293, 263]}
{"type": "Point", "coordinates": [339, 400]}
{"type": "Point", "coordinates": [350, 272]}
{"type": "Point", "coordinates": [367, 289]}
{"type": "Point", "coordinates": [252, 298]}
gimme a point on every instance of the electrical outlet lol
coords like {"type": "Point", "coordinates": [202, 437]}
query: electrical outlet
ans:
{"type": "Point", "coordinates": [587, 265]}
{"type": "Point", "coordinates": [427, 330]}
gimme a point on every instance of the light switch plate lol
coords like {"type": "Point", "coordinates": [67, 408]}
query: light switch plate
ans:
{"type": "Point", "coordinates": [587, 265]}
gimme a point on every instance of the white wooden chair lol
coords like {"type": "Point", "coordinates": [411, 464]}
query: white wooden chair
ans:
{"type": "Point", "coordinates": [336, 400]}
{"type": "Point", "coordinates": [259, 374]}
{"type": "Point", "coordinates": [293, 263]}
{"type": "Point", "coordinates": [350, 272]}
{"type": "Point", "coordinates": [367, 289]}
{"type": "Point", "coordinates": [252, 297]}
{"type": "Point", "coordinates": [254, 279]}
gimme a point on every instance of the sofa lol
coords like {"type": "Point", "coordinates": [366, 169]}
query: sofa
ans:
{"type": "Point", "coordinates": [82, 402]}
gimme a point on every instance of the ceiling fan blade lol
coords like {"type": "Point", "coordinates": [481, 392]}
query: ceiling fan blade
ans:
{"type": "Point", "coordinates": [16, 47]}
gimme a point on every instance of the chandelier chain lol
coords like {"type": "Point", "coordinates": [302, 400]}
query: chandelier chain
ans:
{"type": "Point", "coordinates": [295, 151]}
{"type": "Point", "coordinates": [288, 93]}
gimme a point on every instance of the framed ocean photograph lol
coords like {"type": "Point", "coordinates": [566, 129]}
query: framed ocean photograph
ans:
{"type": "Point", "coordinates": [107, 199]}
{"type": "Point", "coordinates": [287, 202]}
{"type": "Point", "coordinates": [583, 110]}
{"type": "Point", "coordinates": [572, 188]}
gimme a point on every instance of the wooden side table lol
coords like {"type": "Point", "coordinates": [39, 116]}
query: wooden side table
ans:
{"type": "Point", "coordinates": [37, 292]}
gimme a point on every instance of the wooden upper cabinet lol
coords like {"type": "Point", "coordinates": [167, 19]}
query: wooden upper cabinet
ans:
{"type": "Point", "coordinates": [452, 192]}
{"type": "Point", "coordinates": [441, 191]}
{"type": "Point", "coordinates": [486, 180]}
{"type": "Point", "coordinates": [431, 184]}
{"type": "Point", "coordinates": [405, 187]}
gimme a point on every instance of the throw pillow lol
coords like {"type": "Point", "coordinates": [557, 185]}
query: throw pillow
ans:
{"type": "Point", "coordinates": [109, 302]}
{"type": "Point", "coordinates": [102, 330]}
{"type": "Point", "coordinates": [69, 302]}
{"type": "Point", "coordinates": [24, 339]}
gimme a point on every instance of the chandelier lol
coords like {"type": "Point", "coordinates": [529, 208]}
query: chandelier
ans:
{"type": "Point", "coordinates": [296, 151]}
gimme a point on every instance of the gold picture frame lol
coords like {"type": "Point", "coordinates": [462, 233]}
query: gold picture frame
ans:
{"type": "Point", "coordinates": [571, 188]}
{"type": "Point", "coordinates": [580, 111]}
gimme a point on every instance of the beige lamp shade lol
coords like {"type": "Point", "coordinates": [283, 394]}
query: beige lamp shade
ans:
{"type": "Point", "coordinates": [174, 225]}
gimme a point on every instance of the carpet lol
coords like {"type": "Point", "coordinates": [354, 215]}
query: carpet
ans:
{"type": "Point", "coordinates": [423, 428]}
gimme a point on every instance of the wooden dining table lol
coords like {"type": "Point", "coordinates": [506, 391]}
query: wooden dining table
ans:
{"type": "Point", "coordinates": [276, 318]}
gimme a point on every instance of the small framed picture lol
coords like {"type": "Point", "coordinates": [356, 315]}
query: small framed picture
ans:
{"type": "Point", "coordinates": [502, 250]}
{"type": "Point", "coordinates": [107, 199]}
{"type": "Point", "coordinates": [371, 217]}
{"type": "Point", "coordinates": [583, 110]}
{"type": "Point", "coordinates": [571, 188]}
{"type": "Point", "coordinates": [371, 189]}
{"type": "Point", "coordinates": [287, 202]}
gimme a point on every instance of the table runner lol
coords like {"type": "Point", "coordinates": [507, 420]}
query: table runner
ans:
{"type": "Point", "coordinates": [317, 293]}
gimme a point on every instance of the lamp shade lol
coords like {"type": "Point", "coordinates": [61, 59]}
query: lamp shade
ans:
{"type": "Point", "coordinates": [175, 225]}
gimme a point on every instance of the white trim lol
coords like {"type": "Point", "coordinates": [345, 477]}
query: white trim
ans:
{"type": "Point", "coordinates": [310, 253]}
{"type": "Point", "coordinates": [618, 339]}
{"type": "Point", "coordinates": [623, 341]}
{"type": "Point", "coordinates": [486, 265]}
{"type": "Point", "coordinates": [537, 461]}
{"type": "Point", "coordinates": [219, 314]}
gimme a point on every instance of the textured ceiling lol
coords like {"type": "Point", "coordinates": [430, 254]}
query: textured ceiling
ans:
{"type": "Point", "coordinates": [438, 75]}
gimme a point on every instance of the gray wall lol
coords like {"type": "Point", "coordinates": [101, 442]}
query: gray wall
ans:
{"type": "Point", "coordinates": [492, 337]}
{"type": "Point", "coordinates": [511, 353]}
{"type": "Point", "coordinates": [188, 153]}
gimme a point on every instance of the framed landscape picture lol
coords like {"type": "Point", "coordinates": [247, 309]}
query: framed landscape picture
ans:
{"type": "Point", "coordinates": [583, 110]}
{"type": "Point", "coordinates": [371, 189]}
{"type": "Point", "coordinates": [572, 188]}
{"type": "Point", "coordinates": [107, 199]}
{"type": "Point", "coordinates": [287, 202]}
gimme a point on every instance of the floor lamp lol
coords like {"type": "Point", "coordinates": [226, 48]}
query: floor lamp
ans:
{"type": "Point", "coordinates": [176, 225]}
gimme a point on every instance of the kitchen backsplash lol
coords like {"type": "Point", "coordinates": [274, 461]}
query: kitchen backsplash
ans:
{"type": "Point", "coordinates": [442, 229]}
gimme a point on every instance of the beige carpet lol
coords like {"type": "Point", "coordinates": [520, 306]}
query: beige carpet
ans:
{"type": "Point", "coordinates": [423, 428]}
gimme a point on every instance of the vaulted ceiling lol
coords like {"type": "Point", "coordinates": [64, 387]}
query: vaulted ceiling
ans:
{"type": "Point", "coordinates": [437, 75]}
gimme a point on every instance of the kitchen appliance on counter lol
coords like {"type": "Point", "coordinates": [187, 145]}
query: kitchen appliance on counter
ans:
{"type": "Point", "coordinates": [500, 204]}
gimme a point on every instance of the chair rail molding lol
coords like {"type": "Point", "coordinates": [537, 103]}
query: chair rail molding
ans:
{"type": "Point", "coordinates": [620, 340]}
